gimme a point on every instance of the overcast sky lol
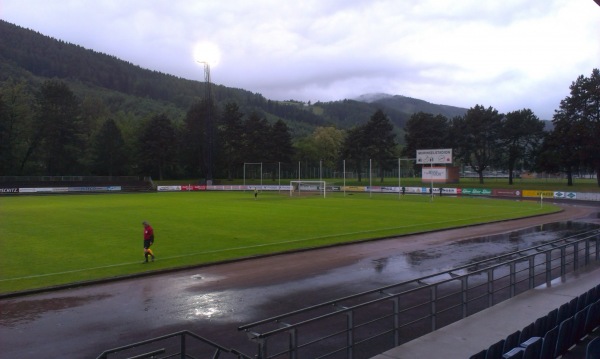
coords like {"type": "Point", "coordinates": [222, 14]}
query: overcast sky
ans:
{"type": "Point", "coordinates": [508, 54]}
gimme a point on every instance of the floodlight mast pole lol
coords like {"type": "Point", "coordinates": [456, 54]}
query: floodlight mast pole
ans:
{"type": "Point", "coordinates": [209, 124]}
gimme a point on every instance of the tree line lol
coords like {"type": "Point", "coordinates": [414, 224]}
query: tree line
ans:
{"type": "Point", "coordinates": [50, 131]}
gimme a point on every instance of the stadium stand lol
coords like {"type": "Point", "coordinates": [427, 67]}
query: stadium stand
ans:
{"type": "Point", "coordinates": [568, 330]}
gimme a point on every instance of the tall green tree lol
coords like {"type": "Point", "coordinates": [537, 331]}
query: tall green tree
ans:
{"type": "Point", "coordinates": [425, 131]}
{"type": "Point", "coordinates": [561, 150]}
{"type": "Point", "coordinates": [193, 144]}
{"type": "Point", "coordinates": [109, 153]}
{"type": "Point", "coordinates": [157, 142]}
{"type": "Point", "coordinates": [380, 141]}
{"type": "Point", "coordinates": [477, 137]}
{"type": "Point", "coordinates": [279, 144]}
{"type": "Point", "coordinates": [328, 143]}
{"type": "Point", "coordinates": [58, 140]}
{"type": "Point", "coordinates": [305, 150]}
{"type": "Point", "coordinates": [353, 149]}
{"type": "Point", "coordinates": [16, 126]}
{"type": "Point", "coordinates": [231, 135]}
{"type": "Point", "coordinates": [586, 94]}
{"type": "Point", "coordinates": [279, 148]}
{"type": "Point", "coordinates": [574, 139]}
{"type": "Point", "coordinates": [256, 132]}
{"type": "Point", "coordinates": [521, 133]}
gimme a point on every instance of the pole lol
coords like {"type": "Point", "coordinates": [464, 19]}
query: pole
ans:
{"type": "Point", "coordinates": [344, 169]}
{"type": "Point", "coordinates": [399, 179]}
{"type": "Point", "coordinates": [320, 170]}
{"type": "Point", "coordinates": [431, 177]}
{"type": "Point", "coordinates": [370, 178]}
{"type": "Point", "coordinates": [209, 124]}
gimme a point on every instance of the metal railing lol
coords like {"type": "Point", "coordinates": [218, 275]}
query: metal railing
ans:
{"type": "Point", "coordinates": [183, 345]}
{"type": "Point", "coordinates": [366, 324]}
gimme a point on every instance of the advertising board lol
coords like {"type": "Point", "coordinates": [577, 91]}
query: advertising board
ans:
{"type": "Point", "coordinates": [439, 156]}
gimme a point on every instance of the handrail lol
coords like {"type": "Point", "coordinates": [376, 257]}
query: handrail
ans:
{"type": "Point", "coordinates": [412, 281]}
{"type": "Point", "coordinates": [566, 246]}
{"type": "Point", "coordinates": [182, 334]}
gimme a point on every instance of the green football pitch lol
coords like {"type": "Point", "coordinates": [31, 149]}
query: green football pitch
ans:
{"type": "Point", "coordinates": [53, 240]}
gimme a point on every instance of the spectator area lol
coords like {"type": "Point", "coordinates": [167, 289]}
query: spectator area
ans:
{"type": "Point", "coordinates": [494, 332]}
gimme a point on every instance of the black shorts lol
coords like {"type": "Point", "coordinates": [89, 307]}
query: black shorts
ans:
{"type": "Point", "coordinates": [148, 243]}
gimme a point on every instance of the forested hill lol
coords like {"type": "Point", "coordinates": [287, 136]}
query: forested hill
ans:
{"type": "Point", "coordinates": [125, 87]}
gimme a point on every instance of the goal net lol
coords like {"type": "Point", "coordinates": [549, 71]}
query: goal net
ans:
{"type": "Point", "coordinates": [305, 188]}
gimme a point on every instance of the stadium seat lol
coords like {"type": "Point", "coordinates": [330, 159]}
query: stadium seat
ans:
{"type": "Point", "coordinates": [549, 344]}
{"type": "Point", "coordinates": [592, 350]}
{"type": "Point", "coordinates": [592, 296]}
{"type": "Point", "coordinates": [540, 326]}
{"type": "Point", "coordinates": [495, 350]}
{"type": "Point", "coordinates": [565, 335]}
{"type": "Point", "coordinates": [511, 341]}
{"type": "Point", "coordinates": [564, 312]}
{"type": "Point", "coordinates": [533, 347]}
{"type": "Point", "coordinates": [592, 319]}
{"type": "Point", "coordinates": [579, 325]}
{"type": "Point", "coordinates": [582, 301]}
{"type": "Point", "coordinates": [514, 353]}
{"type": "Point", "coordinates": [527, 332]}
{"type": "Point", "coordinates": [551, 319]}
{"type": "Point", "coordinates": [595, 294]}
{"type": "Point", "coordinates": [573, 305]}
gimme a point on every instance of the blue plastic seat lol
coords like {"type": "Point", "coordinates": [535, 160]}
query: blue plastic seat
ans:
{"type": "Point", "coordinates": [549, 344]}
{"type": "Point", "coordinates": [579, 325]}
{"type": "Point", "coordinates": [551, 319]}
{"type": "Point", "coordinates": [533, 348]}
{"type": "Point", "coordinates": [564, 312]}
{"type": "Point", "coordinates": [540, 326]}
{"type": "Point", "coordinates": [495, 350]}
{"type": "Point", "coordinates": [514, 353]}
{"type": "Point", "coordinates": [582, 301]}
{"type": "Point", "coordinates": [573, 306]}
{"type": "Point", "coordinates": [527, 332]}
{"type": "Point", "coordinates": [592, 296]}
{"type": "Point", "coordinates": [511, 341]}
{"type": "Point", "coordinates": [565, 335]}
{"type": "Point", "coordinates": [592, 350]}
{"type": "Point", "coordinates": [592, 319]}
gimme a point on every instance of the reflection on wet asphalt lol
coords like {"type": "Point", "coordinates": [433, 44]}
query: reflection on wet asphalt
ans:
{"type": "Point", "coordinates": [81, 323]}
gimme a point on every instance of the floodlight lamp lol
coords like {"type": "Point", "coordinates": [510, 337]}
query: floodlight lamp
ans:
{"type": "Point", "coordinates": [207, 53]}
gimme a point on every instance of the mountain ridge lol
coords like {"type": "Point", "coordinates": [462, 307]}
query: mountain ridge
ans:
{"type": "Point", "coordinates": [30, 56]}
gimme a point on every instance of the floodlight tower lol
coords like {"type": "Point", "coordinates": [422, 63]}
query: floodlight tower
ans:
{"type": "Point", "coordinates": [209, 124]}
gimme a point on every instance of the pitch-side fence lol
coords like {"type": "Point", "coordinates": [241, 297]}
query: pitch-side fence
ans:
{"type": "Point", "coordinates": [368, 323]}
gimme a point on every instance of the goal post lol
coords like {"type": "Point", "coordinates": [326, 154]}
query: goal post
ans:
{"type": "Point", "coordinates": [303, 188]}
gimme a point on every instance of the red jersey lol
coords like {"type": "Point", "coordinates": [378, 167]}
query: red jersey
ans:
{"type": "Point", "coordinates": [148, 232]}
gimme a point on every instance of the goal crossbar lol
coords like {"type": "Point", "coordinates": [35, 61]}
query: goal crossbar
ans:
{"type": "Point", "coordinates": [308, 187]}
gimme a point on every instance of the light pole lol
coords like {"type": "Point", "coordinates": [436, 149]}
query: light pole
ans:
{"type": "Point", "coordinates": [208, 125]}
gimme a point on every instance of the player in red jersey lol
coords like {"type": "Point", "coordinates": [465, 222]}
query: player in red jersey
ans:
{"type": "Point", "coordinates": [148, 240]}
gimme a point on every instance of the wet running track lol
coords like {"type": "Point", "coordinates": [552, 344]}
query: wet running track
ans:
{"type": "Point", "coordinates": [213, 301]}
